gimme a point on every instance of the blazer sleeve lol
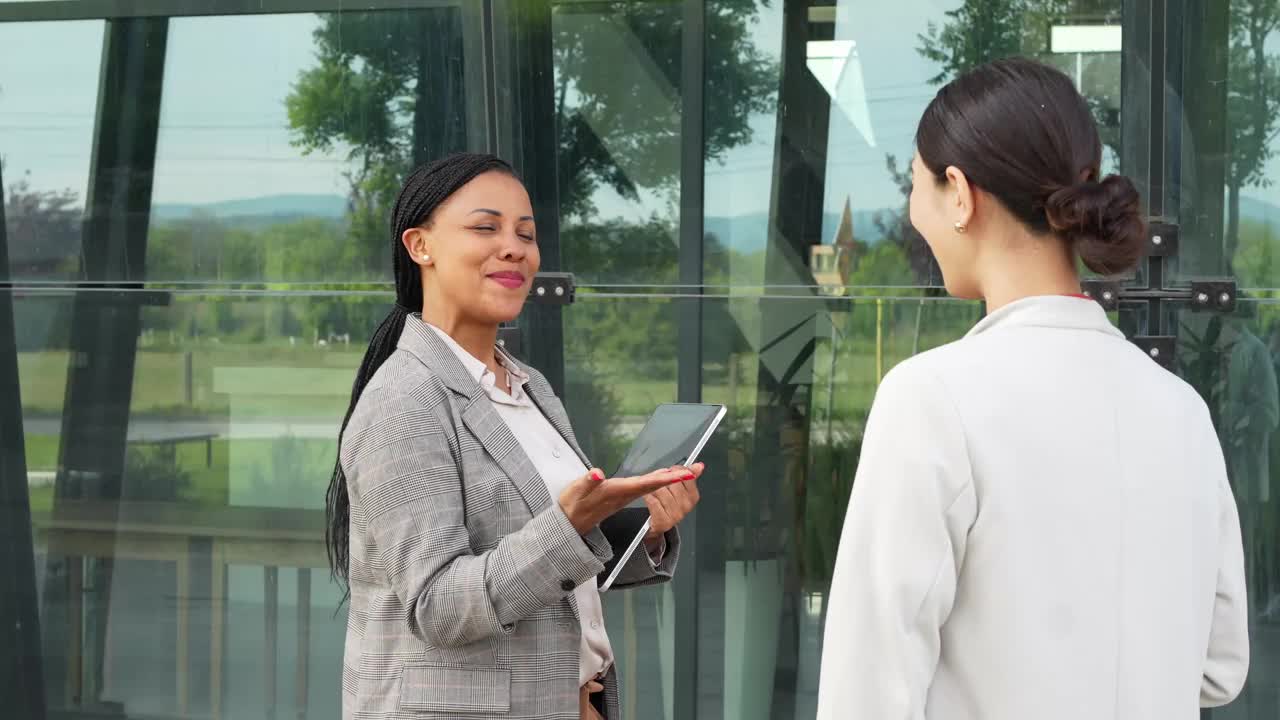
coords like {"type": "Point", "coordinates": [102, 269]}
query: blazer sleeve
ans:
{"type": "Point", "coordinates": [903, 543]}
{"type": "Point", "coordinates": [400, 468]}
{"type": "Point", "coordinates": [1226, 664]}
{"type": "Point", "coordinates": [640, 570]}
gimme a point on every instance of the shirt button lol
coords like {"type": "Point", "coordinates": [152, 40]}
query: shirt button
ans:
{"type": "Point", "coordinates": [595, 625]}
{"type": "Point", "coordinates": [555, 453]}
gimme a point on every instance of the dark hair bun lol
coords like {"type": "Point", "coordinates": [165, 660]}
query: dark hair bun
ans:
{"type": "Point", "coordinates": [1102, 221]}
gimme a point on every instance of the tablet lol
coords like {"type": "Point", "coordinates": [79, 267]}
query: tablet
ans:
{"type": "Point", "coordinates": [674, 435]}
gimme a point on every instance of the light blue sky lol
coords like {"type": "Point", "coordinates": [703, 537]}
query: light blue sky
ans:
{"type": "Point", "coordinates": [224, 131]}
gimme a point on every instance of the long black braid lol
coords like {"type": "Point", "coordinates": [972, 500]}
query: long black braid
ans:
{"type": "Point", "coordinates": [424, 190]}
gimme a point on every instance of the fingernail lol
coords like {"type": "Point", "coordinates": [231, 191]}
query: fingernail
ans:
{"type": "Point", "coordinates": [597, 475]}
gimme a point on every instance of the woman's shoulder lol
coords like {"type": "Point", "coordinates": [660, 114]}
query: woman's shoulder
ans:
{"type": "Point", "coordinates": [403, 390]}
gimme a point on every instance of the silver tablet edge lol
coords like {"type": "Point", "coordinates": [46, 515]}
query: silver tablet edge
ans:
{"type": "Point", "coordinates": [644, 529]}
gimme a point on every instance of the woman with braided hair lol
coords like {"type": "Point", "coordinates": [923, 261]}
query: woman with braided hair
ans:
{"type": "Point", "coordinates": [463, 517]}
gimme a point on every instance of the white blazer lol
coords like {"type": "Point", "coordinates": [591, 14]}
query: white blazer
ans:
{"type": "Point", "coordinates": [1041, 528]}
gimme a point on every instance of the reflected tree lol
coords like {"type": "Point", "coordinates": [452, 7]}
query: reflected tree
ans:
{"type": "Point", "coordinates": [43, 228]}
{"type": "Point", "coordinates": [375, 91]}
{"type": "Point", "coordinates": [608, 137]}
{"type": "Point", "coordinates": [1253, 105]}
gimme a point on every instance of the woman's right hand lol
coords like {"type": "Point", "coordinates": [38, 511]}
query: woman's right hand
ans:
{"type": "Point", "coordinates": [592, 498]}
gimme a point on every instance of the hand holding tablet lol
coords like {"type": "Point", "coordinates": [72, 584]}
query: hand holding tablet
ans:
{"type": "Point", "coordinates": [673, 436]}
{"type": "Point", "coordinates": [592, 498]}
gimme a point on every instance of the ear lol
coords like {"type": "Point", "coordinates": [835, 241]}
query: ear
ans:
{"type": "Point", "coordinates": [417, 242]}
{"type": "Point", "coordinates": [962, 196]}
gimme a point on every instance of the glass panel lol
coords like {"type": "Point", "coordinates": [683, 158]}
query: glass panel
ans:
{"type": "Point", "coordinates": [279, 163]}
{"type": "Point", "coordinates": [173, 570]}
{"type": "Point", "coordinates": [617, 76]}
{"type": "Point", "coordinates": [1232, 361]}
{"type": "Point", "coordinates": [828, 287]}
{"type": "Point", "coordinates": [1222, 190]}
{"type": "Point", "coordinates": [1225, 137]}
{"type": "Point", "coordinates": [48, 95]}
{"type": "Point", "coordinates": [176, 437]}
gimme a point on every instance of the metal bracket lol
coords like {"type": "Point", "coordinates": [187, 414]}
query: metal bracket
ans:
{"type": "Point", "coordinates": [509, 337]}
{"type": "Point", "coordinates": [1209, 295]}
{"type": "Point", "coordinates": [550, 288]}
{"type": "Point", "coordinates": [1216, 295]}
{"type": "Point", "coordinates": [554, 288]}
{"type": "Point", "coordinates": [1104, 292]}
{"type": "Point", "coordinates": [1160, 348]}
{"type": "Point", "coordinates": [1162, 239]}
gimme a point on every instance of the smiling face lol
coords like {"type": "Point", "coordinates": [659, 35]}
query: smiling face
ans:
{"type": "Point", "coordinates": [483, 252]}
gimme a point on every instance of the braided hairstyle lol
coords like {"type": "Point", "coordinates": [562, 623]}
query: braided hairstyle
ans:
{"type": "Point", "coordinates": [423, 191]}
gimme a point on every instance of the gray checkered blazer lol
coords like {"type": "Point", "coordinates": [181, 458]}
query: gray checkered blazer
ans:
{"type": "Point", "coordinates": [462, 568]}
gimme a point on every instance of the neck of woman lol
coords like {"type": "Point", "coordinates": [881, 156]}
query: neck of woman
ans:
{"type": "Point", "coordinates": [478, 339]}
{"type": "Point", "coordinates": [1031, 270]}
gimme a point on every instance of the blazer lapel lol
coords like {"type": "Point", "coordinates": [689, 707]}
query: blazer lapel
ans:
{"type": "Point", "coordinates": [488, 427]}
{"type": "Point", "coordinates": [483, 422]}
{"type": "Point", "coordinates": [478, 415]}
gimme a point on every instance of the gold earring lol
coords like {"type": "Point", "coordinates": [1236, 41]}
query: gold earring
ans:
{"type": "Point", "coordinates": [960, 228]}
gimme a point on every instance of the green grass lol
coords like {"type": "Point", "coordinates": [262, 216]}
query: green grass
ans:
{"type": "Point", "coordinates": [160, 386]}
{"type": "Point", "coordinates": [281, 471]}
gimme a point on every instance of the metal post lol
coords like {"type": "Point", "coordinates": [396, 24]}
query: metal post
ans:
{"type": "Point", "coordinates": [689, 333]}
{"type": "Point", "coordinates": [526, 136]}
{"type": "Point", "coordinates": [21, 662]}
{"type": "Point", "coordinates": [105, 325]}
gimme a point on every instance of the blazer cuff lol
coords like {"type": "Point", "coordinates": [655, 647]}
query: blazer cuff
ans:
{"type": "Point", "coordinates": [572, 561]}
{"type": "Point", "coordinates": [642, 570]}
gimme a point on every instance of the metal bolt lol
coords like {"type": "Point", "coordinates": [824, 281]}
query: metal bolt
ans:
{"type": "Point", "coordinates": [1203, 298]}
{"type": "Point", "coordinates": [1155, 352]}
{"type": "Point", "coordinates": [1224, 298]}
{"type": "Point", "coordinates": [541, 291]}
{"type": "Point", "coordinates": [1157, 240]}
{"type": "Point", "coordinates": [1108, 295]}
{"type": "Point", "coordinates": [559, 290]}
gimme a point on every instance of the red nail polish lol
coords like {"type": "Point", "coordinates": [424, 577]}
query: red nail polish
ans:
{"type": "Point", "coordinates": [597, 475]}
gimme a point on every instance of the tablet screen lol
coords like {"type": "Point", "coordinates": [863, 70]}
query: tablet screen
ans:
{"type": "Point", "coordinates": [671, 435]}
{"type": "Point", "coordinates": [674, 434]}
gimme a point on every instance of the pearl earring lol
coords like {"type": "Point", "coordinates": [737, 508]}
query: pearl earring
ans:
{"type": "Point", "coordinates": [960, 228]}
{"type": "Point", "coordinates": [425, 258]}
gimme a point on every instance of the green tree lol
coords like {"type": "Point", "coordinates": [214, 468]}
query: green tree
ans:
{"type": "Point", "coordinates": [607, 137]}
{"type": "Point", "coordinates": [43, 230]}
{"type": "Point", "coordinates": [369, 92]}
{"type": "Point", "coordinates": [1253, 103]}
{"type": "Point", "coordinates": [980, 31]}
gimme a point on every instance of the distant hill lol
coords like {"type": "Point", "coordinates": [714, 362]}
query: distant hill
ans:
{"type": "Point", "coordinates": [1259, 211]}
{"type": "Point", "coordinates": [258, 211]}
{"type": "Point", "coordinates": [750, 233]}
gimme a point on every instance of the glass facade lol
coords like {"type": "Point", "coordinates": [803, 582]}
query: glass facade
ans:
{"type": "Point", "coordinates": [193, 252]}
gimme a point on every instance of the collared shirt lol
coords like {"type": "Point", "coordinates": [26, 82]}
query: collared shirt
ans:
{"type": "Point", "coordinates": [559, 465]}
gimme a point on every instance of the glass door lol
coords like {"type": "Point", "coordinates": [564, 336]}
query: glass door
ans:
{"type": "Point", "coordinates": [1221, 141]}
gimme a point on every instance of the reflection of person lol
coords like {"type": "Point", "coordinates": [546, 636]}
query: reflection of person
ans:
{"type": "Point", "coordinates": [462, 512]}
{"type": "Point", "coordinates": [1041, 524]}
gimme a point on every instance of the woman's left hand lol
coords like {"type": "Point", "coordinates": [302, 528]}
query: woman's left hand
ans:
{"type": "Point", "coordinates": [669, 505]}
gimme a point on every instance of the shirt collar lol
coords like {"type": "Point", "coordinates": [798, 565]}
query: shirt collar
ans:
{"type": "Point", "coordinates": [481, 373]}
{"type": "Point", "coordinates": [1051, 311]}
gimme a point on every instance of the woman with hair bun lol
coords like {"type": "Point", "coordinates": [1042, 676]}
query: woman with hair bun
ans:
{"type": "Point", "coordinates": [1041, 525]}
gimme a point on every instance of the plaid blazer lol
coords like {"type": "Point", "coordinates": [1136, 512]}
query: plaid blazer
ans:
{"type": "Point", "coordinates": [462, 568]}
